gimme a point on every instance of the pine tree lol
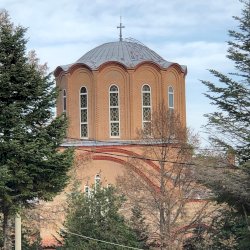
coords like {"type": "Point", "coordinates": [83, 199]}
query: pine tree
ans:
{"type": "Point", "coordinates": [230, 125]}
{"type": "Point", "coordinates": [96, 216]}
{"type": "Point", "coordinates": [33, 167]}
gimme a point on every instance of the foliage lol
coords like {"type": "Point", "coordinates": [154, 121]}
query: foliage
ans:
{"type": "Point", "coordinates": [1, 234]}
{"type": "Point", "coordinates": [96, 216]}
{"type": "Point", "coordinates": [230, 125]}
{"type": "Point", "coordinates": [139, 226]}
{"type": "Point", "coordinates": [228, 183]}
{"type": "Point", "coordinates": [30, 241]}
{"type": "Point", "coordinates": [226, 232]}
{"type": "Point", "coordinates": [229, 129]}
{"type": "Point", "coordinates": [32, 166]}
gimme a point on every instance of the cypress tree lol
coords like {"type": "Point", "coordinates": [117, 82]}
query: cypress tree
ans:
{"type": "Point", "coordinates": [31, 166]}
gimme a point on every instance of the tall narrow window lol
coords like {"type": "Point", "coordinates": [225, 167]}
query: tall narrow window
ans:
{"type": "Point", "coordinates": [97, 181]}
{"type": "Point", "coordinates": [114, 112]}
{"type": "Point", "coordinates": [84, 112]}
{"type": "Point", "coordinates": [146, 108]}
{"type": "Point", "coordinates": [170, 98]}
{"type": "Point", "coordinates": [64, 101]}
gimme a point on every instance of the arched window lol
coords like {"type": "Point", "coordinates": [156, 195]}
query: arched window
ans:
{"type": "Point", "coordinates": [170, 98]}
{"type": "Point", "coordinates": [84, 112]}
{"type": "Point", "coordinates": [146, 107]}
{"type": "Point", "coordinates": [64, 100]}
{"type": "Point", "coordinates": [114, 112]}
{"type": "Point", "coordinates": [97, 181]}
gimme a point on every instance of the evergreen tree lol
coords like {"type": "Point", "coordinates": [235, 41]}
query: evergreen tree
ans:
{"type": "Point", "coordinates": [96, 216]}
{"type": "Point", "coordinates": [230, 125]}
{"type": "Point", "coordinates": [229, 128]}
{"type": "Point", "coordinates": [30, 241]}
{"type": "Point", "coordinates": [227, 231]}
{"type": "Point", "coordinates": [33, 168]}
{"type": "Point", "coordinates": [138, 224]}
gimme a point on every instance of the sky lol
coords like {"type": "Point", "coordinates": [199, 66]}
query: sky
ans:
{"type": "Point", "coordinates": [192, 33]}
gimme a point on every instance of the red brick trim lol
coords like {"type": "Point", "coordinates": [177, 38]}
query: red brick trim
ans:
{"type": "Point", "coordinates": [124, 163]}
{"type": "Point", "coordinates": [128, 153]}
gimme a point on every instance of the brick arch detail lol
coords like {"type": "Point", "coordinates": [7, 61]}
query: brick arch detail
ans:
{"type": "Point", "coordinates": [101, 151]}
{"type": "Point", "coordinates": [124, 163]}
{"type": "Point", "coordinates": [127, 153]}
{"type": "Point", "coordinates": [96, 154]}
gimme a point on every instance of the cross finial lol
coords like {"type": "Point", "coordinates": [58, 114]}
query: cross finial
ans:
{"type": "Point", "coordinates": [120, 27]}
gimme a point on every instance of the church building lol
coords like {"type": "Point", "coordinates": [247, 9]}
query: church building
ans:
{"type": "Point", "coordinates": [109, 94]}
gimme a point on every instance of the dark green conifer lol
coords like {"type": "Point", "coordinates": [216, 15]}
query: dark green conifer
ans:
{"type": "Point", "coordinates": [138, 224]}
{"type": "Point", "coordinates": [31, 166]}
{"type": "Point", "coordinates": [96, 216]}
{"type": "Point", "coordinates": [229, 128]}
{"type": "Point", "coordinates": [230, 124]}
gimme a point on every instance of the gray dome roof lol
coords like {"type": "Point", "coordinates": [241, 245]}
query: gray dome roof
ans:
{"type": "Point", "coordinates": [130, 53]}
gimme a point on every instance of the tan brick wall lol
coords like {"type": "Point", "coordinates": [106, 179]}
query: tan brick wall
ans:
{"type": "Point", "coordinates": [98, 82]}
{"type": "Point", "coordinates": [130, 84]}
{"type": "Point", "coordinates": [109, 162]}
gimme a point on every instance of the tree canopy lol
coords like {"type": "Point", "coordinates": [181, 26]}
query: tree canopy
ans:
{"type": "Point", "coordinates": [32, 168]}
{"type": "Point", "coordinates": [96, 216]}
{"type": "Point", "coordinates": [230, 124]}
{"type": "Point", "coordinates": [229, 129]}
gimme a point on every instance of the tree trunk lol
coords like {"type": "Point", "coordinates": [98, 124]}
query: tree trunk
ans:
{"type": "Point", "coordinates": [162, 225]}
{"type": "Point", "coordinates": [7, 242]}
{"type": "Point", "coordinates": [162, 212]}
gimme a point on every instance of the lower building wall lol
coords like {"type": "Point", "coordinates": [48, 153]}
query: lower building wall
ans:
{"type": "Point", "coordinates": [106, 163]}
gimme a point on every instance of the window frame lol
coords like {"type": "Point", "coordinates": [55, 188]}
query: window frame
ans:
{"type": "Point", "coordinates": [118, 107]}
{"type": "Point", "coordinates": [83, 108]}
{"type": "Point", "coordinates": [142, 103]}
{"type": "Point", "coordinates": [171, 107]}
{"type": "Point", "coordinates": [64, 99]}
{"type": "Point", "coordinates": [97, 181]}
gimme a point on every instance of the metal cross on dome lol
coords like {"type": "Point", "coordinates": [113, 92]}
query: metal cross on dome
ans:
{"type": "Point", "coordinates": [120, 27]}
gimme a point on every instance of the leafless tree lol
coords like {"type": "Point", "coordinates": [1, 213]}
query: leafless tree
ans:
{"type": "Point", "coordinates": [168, 190]}
{"type": "Point", "coordinates": [35, 61]}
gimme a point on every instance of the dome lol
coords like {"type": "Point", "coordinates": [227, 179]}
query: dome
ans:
{"type": "Point", "coordinates": [128, 52]}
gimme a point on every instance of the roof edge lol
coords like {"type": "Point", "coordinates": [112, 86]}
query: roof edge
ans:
{"type": "Point", "coordinates": [70, 67]}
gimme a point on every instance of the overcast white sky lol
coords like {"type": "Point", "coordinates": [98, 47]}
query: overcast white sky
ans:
{"type": "Point", "coordinates": [193, 33]}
